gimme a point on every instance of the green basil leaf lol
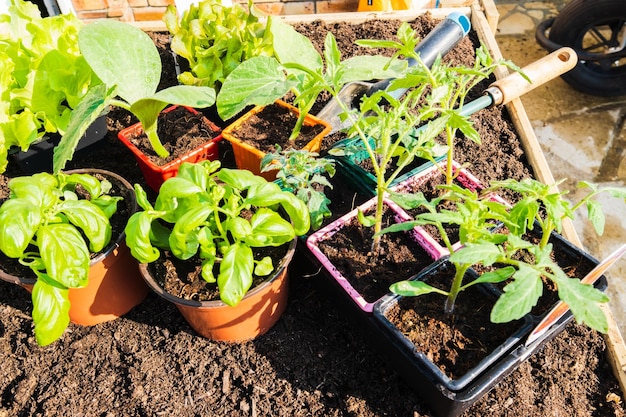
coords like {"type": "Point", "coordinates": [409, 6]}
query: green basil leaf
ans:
{"type": "Point", "coordinates": [64, 253]}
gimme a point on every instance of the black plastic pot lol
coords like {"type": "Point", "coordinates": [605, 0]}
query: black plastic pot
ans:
{"type": "Point", "coordinates": [451, 398]}
{"type": "Point", "coordinates": [38, 157]}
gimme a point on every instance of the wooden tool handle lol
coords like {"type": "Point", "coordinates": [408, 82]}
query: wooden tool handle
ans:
{"type": "Point", "coordinates": [543, 70]}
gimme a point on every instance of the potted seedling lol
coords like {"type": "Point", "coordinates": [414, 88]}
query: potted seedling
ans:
{"type": "Point", "coordinates": [44, 79]}
{"type": "Point", "coordinates": [128, 63]}
{"type": "Point", "coordinates": [58, 229]}
{"type": "Point", "coordinates": [225, 223]}
{"type": "Point", "coordinates": [499, 244]}
{"type": "Point", "coordinates": [304, 174]}
{"type": "Point", "coordinates": [296, 68]}
{"type": "Point", "coordinates": [230, 35]}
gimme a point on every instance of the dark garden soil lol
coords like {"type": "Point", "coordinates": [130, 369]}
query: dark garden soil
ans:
{"type": "Point", "coordinates": [312, 363]}
{"type": "Point", "coordinates": [272, 126]}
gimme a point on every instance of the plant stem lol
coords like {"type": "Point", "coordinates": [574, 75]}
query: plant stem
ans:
{"type": "Point", "coordinates": [457, 282]}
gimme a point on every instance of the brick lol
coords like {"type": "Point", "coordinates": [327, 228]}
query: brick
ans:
{"type": "Point", "coordinates": [334, 6]}
{"type": "Point", "coordinates": [137, 3]}
{"type": "Point", "coordinates": [91, 15]}
{"type": "Point", "coordinates": [304, 7]}
{"type": "Point", "coordinates": [160, 3]}
{"type": "Point", "coordinates": [272, 8]}
{"type": "Point", "coordinates": [148, 13]}
{"type": "Point", "coordinates": [81, 5]}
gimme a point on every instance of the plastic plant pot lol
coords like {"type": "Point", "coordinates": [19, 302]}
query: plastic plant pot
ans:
{"type": "Point", "coordinates": [155, 174]}
{"type": "Point", "coordinates": [38, 157]}
{"type": "Point", "coordinates": [416, 183]}
{"type": "Point", "coordinates": [327, 232]}
{"type": "Point", "coordinates": [362, 178]}
{"type": "Point", "coordinates": [249, 157]}
{"type": "Point", "coordinates": [115, 285]}
{"type": "Point", "coordinates": [255, 314]}
{"type": "Point", "coordinates": [446, 400]}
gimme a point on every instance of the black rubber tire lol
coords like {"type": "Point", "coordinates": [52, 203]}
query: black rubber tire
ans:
{"type": "Point", "coordinates": [568, 29]}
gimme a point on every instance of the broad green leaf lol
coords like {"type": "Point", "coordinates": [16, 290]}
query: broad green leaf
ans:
{"type": "Point", "coordinates": [258, 81]}
{"type": "Point", "coordinates": [184, 239]}
{"type": "Point", "coordinates": [19, 221]}
{"type": "Point", "coordinates": [122, 55]}
{"type": "Point", "coordinates": [519, 297]}
{"type": "Point", "coordinates": [413, 288]}
{"type": "Point", "coordinates": [584, 301]}
{"type": "Point", "coordinates": [291, 46]}
{"type": "Point", "coordinates": [91, 220]}
{"type": "Point", "coordinates": [596, 216]}
{"type": "Point", "coordinates": [187, 95]}
{"type": "Point", "coordinates": [235, 277]}
{"type": "Point", "coordinates": [64, 254]}
{"type": "Point", "coordinates": [475, 253]}
{"type": "Point", "coordinates": [264, 267]}
{"type": "Point", "coordinates": [496, 276]}
{"type": "Point", "coordinates": [51, 306]}
{"type": "Point", "coordinates": [85, 113]}
{"type": "Point", "coordinates": [269, 229]}
{"type": "Point", "coordinates": [138, 237]}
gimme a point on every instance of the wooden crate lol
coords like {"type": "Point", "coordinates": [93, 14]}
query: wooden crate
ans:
{"type": "Point", "coordinates": [484, 17]}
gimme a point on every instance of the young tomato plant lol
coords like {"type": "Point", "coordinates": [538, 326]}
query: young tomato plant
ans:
{"type": "Point", "coordinates": [204, 211]}
{"type": "Point", "coordinates": [501, 248]}
{"type": "Point", "coordinates": [48, 226]}
{"type": "Point", "coordinates": [303, 173]}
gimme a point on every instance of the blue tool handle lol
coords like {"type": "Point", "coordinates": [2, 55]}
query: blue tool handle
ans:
{"type": "Point", "coordinates": [438, 42]}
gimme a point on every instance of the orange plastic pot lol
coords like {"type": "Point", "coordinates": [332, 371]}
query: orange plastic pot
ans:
{"type": "Point", "coordinates": [255, 314]}
{"type": "Point", "coordinates": [248, 157]}
{"type": "Point", "coordinates": [115, 284]}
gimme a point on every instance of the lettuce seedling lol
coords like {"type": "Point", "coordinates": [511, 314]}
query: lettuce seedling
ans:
{"type": "Point", "coordinates": [215, 39]}
{"type": "Point", "coordinates": [50, 228]}
{"type": "Point", "coordinates": [43, 76]}
{"type": "Point", "coordinates": [128, 63]}
{"type": "Point", "coordinates": [205, 210]}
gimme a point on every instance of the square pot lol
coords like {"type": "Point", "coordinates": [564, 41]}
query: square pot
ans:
{"type": "Point", "coordinates": [343, 282]}
{"type": "Point", "coordinates": [249, 157]}
{"type": "Point", "coordinates": [38, 157]}
{"type": "Point", "coordinates": [155, 174]}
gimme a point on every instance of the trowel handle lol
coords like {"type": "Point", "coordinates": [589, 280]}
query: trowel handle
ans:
{"type": "Point", "coordinates": [438, 42]}
{"type": "Point", "coordinates": [539, 72]}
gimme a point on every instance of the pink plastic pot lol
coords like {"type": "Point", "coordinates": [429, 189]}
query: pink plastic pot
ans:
{"type": "Point", "coordinates": [328, 231]}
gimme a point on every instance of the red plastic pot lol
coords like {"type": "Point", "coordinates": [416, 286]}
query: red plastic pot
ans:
{"type": "Point", "coordinates": [155, 174]}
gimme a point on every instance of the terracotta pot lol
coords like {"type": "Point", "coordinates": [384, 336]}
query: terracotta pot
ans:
{"type": "Point", "coordinates": [115, 285]}
{"type": "Point", "coordinates": [248, 157]}
{"type": "Point", "coordinates": [155, 174]}
{"type": "Point", "coordinates": [255, 314]}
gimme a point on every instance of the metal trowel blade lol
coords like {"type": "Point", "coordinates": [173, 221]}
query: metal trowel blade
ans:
{"type": "Point", "coordinates": [347, 95]}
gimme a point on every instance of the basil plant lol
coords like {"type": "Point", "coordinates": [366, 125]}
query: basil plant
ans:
{"type": "Point", "coordinates": [49, 227]}
{"type": "Point", "coordinates": [204, 211]}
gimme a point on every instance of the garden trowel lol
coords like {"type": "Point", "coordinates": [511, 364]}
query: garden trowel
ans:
{"type": "Point", "coordinates": [561, 308]}
{"type": "Point", "coordinates": [437, 43]}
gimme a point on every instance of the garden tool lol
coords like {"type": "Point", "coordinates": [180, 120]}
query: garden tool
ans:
{"type": "Point", "coordinates": [437, 43]}
{"type": "Point", "coordinates": [561, 308]}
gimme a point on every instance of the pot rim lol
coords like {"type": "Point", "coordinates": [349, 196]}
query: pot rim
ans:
{"type": "Point", "coordinates": [284, 263]}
